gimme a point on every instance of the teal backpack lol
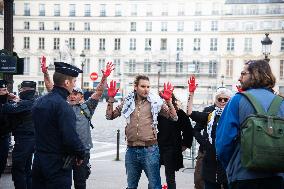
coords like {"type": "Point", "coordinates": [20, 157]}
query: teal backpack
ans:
{"type": "Point", "coordinates": [262, 137]}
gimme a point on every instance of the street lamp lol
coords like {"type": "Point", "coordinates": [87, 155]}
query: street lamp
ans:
{"type": "Point", "coordinates": [222, 80]}
{"type": "Point", "coordinates": [266, 46]}
{"type": "Point", "coordinates": [83, 59]}
{"type": "Point", "coordinates": [159, 67]}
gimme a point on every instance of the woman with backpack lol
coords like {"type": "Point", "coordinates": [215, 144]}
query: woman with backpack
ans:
{"type": "Point", "coordinates": [212, 171]}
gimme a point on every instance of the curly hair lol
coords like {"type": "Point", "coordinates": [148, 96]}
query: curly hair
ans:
{"type": "Point", "coordinates": [140, 77]}
{"type": "Point", "coordinates": [261, 74]}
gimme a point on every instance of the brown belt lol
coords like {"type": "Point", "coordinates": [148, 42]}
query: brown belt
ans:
{"type": "Point", "coordinates": [146, 143]}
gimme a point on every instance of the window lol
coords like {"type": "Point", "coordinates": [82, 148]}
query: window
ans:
{"type": "Point", "coordinates": [163, 44]}
{"type": "Point", "coordinates": [197, 26]}
{"type": "Point", "coordinates": [116, 63]}
{"type": "Point", "coordinates": [72, 10]}
{"type": "Point", "coordinates": [40, 83]}
{"type": "Point", "coordinates": [132, 44]}
{"type": "Point", "coordinates": [101, 65]}
{"type": "Point", "coordinates": [86, 85]}
{"type": "Point", "coordinates": [102, 10]}
{"type": "Point", "coordinates": [56, 43]}
{"type": "Point", "coordinates": [102, 45]}
{"type": "Point", "coordinates": [164, 9]}
{"type": "Point", "coordinates": [87, 43]}
{"type": "Point", "coordinates": [41, 43]}
{"type": "Point", "coordinates": [41, 9]}
{"type": "Point", "coordinates": [230, 44]}
{"type": "Point", "coordinates": [229, 68]}
{"type": "Point", "coordinates": [149, 10]}
{"type": "Point", "coordinates": [56, 26]}
{"type": "Point", "coordinates": [87, 10]}
{"type": "Point", "coordinates": [1, 13]}
{"type": "Point", "coordinates": [181, 8]}
{"type": "Point", "coordinates": [26, 42]}
{"type": "Point", "coordinates": [249, 26]}
{"type": "Point", "coordinates": [212, 67]}
{"type": "Point", "coordinates": [86, 68]}
{"type": "Point", "coordinates": [148, 44]}
{"type": "Point", "coordinates": [281, 69]}
{"type": "Point", "coordinates": [132, 65]}
{"type": "Point", "coordinates": [194, 66]}
{"type": "Point", "coordinates": [27, 11]}
{"type": "Point", "coordinates": [133, 10]}
{"type": "Point", "coordinates": [179, 66]}
{"type": "Point", "coordinates": [282, 44]}
{"type": "Point", "coordinates": [118, 10]}
{"type": "Point", "coordinates": [132, 26]}
{"type": "Point", "coordinates": [248, 45]}
{"type": "Point", "coordinates": [198, 10]}
{"type": "Point", "coordinates": [72, 43]}
{"type": "Point", "coordinates": [196, 44]}
{"type": "Point", "coordinates": [56, 10]}
{"type": "Point", "coordinates": [117, 44]}
{"type": "Point", "coordinates": [148, 26]}
{"type": "Point", "coordinates": [147, 66]}
{"type": "Point", "coordinates": [214, 25]}
{"type": "Point", "coordinates": [26, 25]}
{"type": "Point", "coordinates": [163, 63]}
{"type": "Point", "coordinates": [27, 62]}
{"type": "Point", "coordinates": [179, 44]}
{"type": "Point", "coordinates": [41, 25]}
{"type": "Point", "coordinates": [71, 26]}
{"type": "Point", "coordinates": [213, 44]}
{"type": "Point", "coordinates": [164, 26]}
{"type": "Point", "coordinates": [215, 8]}
{"type": "Point", "coordinates": [87, 26]}
{"type": "Point", "coordinates": [180, 26]}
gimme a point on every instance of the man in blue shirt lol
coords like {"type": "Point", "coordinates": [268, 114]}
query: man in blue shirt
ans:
{"type": "Point", "coordinates": [258, 80]}
{"type": "Point", "coordinates": [56, 139]}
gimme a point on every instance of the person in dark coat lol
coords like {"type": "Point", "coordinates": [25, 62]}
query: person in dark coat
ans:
{"type": "Point", "coordinates": [57, 142]}
{"type": "Point", "coordinates": [212, 172]}
{"type": "Point", "coordinates": [198, 180]}
{"type": "Point", "coordinates": [173, 138]}
{"type": "Point", "coordinates": [23, 132]}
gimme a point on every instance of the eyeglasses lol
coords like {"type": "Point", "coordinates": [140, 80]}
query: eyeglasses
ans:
{"type": "Point", "coordinates": [244, 73]}
{"type": "Point", "coordinates": [221, 99]}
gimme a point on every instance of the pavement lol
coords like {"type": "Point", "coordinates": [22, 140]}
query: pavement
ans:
{"type": "Point", "coordinates": [107, 173]}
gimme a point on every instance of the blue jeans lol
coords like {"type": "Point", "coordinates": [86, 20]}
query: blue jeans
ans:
{"type": "Point", "coordinates": [143, 158]}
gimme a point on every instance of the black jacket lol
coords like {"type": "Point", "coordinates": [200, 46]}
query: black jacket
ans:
{"type": "Point", "coordinates": [211, 168]}
{"type": "Point", "coordinates": [175, 134]}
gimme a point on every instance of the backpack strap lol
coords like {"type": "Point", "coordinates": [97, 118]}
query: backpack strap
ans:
{"type": "Point", "coordinates": [274, 106]}
{"type": "Point", "coordinates": [86, 111]}
{"type": "Point", "coordinates": [256, 105]}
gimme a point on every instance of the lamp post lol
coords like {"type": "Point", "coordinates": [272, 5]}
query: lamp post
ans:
{"type": "Point", "coordinates": [83, 59]}
{"type": "Point", "coordinates": [159, 67]}
{"type": "Point", "coordinates": [266, 46]}
{"type": "Point", "coordinates": [222, 80]}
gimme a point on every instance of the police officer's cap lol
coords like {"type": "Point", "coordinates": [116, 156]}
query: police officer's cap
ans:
{"type": "Point", "coordinates": [3, 83]}
{"type": "Point", "coordinates": [67, 69]}
{"type": "Point", "coordinates": [30, 84]}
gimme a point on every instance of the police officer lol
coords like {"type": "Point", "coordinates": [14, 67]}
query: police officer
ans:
{"type": "Point", "coordinates": [55, 134]}
{"type": "Point", "coordinates": [84, 111]}
{"type": "Point", "coordinates": [5, 137]}
{"type": "Point", "coordinates": [23, 132]}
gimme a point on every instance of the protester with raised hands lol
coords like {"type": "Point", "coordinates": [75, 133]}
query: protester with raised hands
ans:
{"type": "Point", "coordinates": [212, 171]}
{"type": "Point", "coordinates": [84, 111]}
{"type": "Point", "coordinates": [141, 109]}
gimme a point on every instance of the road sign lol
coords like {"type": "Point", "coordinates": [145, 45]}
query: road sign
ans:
{"type": "Point", "coordinates": [94, 76]}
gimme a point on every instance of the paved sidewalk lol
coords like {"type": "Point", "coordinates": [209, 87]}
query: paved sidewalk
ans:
{"type": "Point", "coordinates": [110, 174]}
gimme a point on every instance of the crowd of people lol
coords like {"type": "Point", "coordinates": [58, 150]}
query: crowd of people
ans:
{"type": "Point", "coordinates": [53, 139]}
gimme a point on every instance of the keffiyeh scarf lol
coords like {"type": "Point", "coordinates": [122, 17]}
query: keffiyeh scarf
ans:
{"type": "Point", "coordinates": [129, 106]}
{"type": "Point", "coordinates": [217, 112]}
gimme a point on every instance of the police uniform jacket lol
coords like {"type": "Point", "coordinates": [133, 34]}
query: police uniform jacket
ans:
{"type": "Point", "coordinates": [55, 124]}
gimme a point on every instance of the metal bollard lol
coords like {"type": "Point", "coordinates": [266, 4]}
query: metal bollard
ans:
{"type": "Point", "coordinates": [117, 144]}
{"type": "Point", "coordinates": [193, 153]}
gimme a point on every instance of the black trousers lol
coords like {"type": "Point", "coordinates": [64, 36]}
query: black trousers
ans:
{"type": "Point", "coordinates": [167, 155]}
{"type": "Point", "coordinates": [81, 173]}
{"type": "Point", "coordinates": [261, 183]}
{"type": "Point", "coordinates": [4, 149]}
